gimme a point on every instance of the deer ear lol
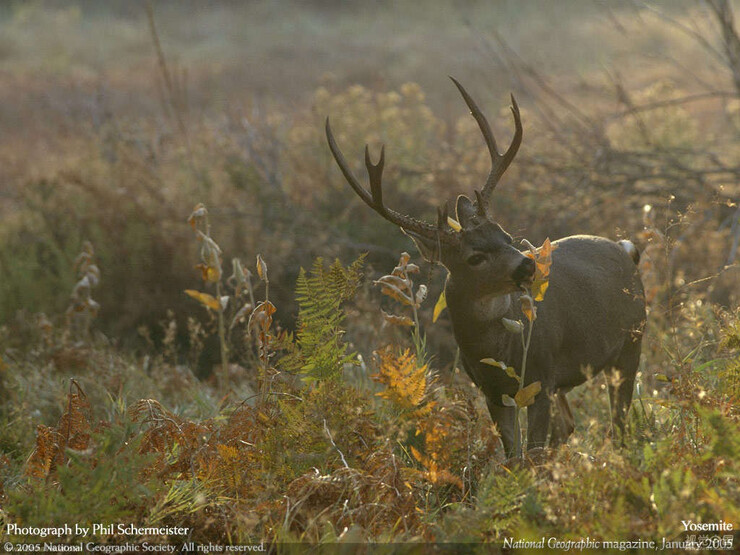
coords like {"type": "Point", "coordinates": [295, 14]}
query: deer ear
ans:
{"type": "Point", "coordinates": [429, 248]}
{"type": "Point", "coordinates": [466, 211]}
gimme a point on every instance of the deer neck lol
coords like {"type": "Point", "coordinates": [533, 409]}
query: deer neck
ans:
{"type": "Point", "coordinates": [490, 307]}
{"type": "Point", "coordinates": [481, 309]}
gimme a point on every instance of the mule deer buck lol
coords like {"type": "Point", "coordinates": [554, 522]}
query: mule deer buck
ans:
{"type": "Point", "coordinates": [590, 320]}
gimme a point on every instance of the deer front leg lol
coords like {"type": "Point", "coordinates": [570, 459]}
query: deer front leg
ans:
{"type": "Point", "coordinates": [562, 421]}
{"type": "Point", "coordinates": [538, 421]}
{"type": "Point", "coordinates": [503, 417]}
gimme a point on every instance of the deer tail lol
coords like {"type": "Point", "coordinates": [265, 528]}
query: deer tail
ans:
{"type": "Point", "coordinates": [631, 249]}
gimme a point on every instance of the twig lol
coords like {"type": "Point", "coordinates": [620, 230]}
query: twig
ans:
{"type": "Point", "coordinates": [693, 33]}
{"type": "Point", "coordinates": [328, 433]}
{"type": "Point", "coordinates": [171, 86]}
{"type": "Point", "coordinates": [672, 102]}
{"type": "Point", "coordinates": [735, 233]}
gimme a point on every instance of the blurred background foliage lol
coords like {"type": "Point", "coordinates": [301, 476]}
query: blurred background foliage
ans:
{"type": "Point", "coordinates": [110, 130]}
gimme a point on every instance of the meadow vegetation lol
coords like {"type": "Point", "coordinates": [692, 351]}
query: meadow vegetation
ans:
{"type": "Point", "coordinates": [262, 382]}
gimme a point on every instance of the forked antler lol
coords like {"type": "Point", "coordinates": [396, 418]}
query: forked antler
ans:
{"type": "Point", "coordinates": [441, 232]}
{"type": "Point", "coordinates": [374, 199]}
{"type": "Point", "coordinates": [499, 162]}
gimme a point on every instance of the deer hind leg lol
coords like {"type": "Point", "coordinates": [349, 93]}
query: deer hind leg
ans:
{"type": "Point", "coordinates": [503, 417]}
{"type": "Point", "coordinates": [620, 382]}
{"type": "Point", "coordinates": [562, 421]}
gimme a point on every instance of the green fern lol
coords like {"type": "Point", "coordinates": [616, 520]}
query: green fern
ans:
{"type": "Point", "coordinates": [322, 352]}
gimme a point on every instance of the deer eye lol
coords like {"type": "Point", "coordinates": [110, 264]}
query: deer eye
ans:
{"type": "Point", "coordinates": [476, 259]}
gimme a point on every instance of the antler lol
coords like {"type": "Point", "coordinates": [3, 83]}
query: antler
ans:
{"type": "Point", "coordinates": [499, 162]}
{"type": "Point", "coordinates": [374, 199]}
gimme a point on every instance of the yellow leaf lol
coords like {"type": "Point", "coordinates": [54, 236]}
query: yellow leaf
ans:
{"type": "Point", "coordinates": [543, 268]}
{"type": "Point", "coordinates": [454, 224]}
{"type": "Point", "coordinates": [204, 298]}
{"type": "Point", "coordinates": [508, 369]}
{"type": "Point", "coordinates": [210, 274]}
{"type": "Point", "coordinates": [440, 306]}
{"type": "Point", "coordinates": [528, 307]}
{"type": "Point", "coordinates": [538, 289]}
{"type": "Point", "coordinates": [525, 396]}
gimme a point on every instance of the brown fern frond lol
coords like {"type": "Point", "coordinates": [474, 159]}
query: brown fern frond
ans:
{"type": "Point", "coordinates": [74, 425]}
{"type": "Point", "coordinates": [46, 455]}
{"type": "Point", "coordinates": [72, 431]}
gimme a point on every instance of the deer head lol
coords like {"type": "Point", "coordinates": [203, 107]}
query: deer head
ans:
{"type": "Point", "coordinates": [481, 250]}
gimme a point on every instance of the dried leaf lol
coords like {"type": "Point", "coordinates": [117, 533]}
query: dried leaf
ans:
{"type": "Point", "coordinates": [204, 298]}
{"type": "Point", "coordinates": [261, 268]}
{"type": "Point", "coordinates": [93, 307]}
{"type": "Point", "coordinates": [93, 275]}
{"type": "Point", "coordinates": [421, 294]}
{"type": "Point", "coordinates": [261, 316]}
{"type": "Point", "coordinates": [397, 320]}
{"type": "Point", "coordinates": [198, 215]}
{"type": "Point", "coordinates": [241, 315]}
{"type": "Point", "coordinates": [528, 308]}
{"type": "Point", "coordinates": [396, 288]}
{"type": "Point", "coordinates": [210, 252]}
{"type": "Point", "coordinates": [238, 278]}
{"type": "Point", "coordinates": [412, 269]}
{"type": "Point", "coordinates": [512, 326]}
{"type": "Point", "coordinates": [543, 268]}
{"type": "Point", "coordinates": [507, 401]}
{"type": "Point", "coordinates": [545, 251]}
{"type": "Point", "coordinates": [525, 396]}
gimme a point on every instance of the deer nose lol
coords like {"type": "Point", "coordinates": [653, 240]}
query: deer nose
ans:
{"type": "Point", "coordinates": [525, 271]}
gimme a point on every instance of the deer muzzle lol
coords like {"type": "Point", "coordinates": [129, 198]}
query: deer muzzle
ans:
{"type": "Point", "coordinates": [524, 273]}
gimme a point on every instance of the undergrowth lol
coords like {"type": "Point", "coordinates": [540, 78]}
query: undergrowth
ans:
{"type": "Point", "coordinates": [321, 457]}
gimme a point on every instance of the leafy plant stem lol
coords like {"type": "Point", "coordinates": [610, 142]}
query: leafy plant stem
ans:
{"type": "Point", "coordinates": [222, 337]}
{"type": "Point", "coordinates": [517, 410]}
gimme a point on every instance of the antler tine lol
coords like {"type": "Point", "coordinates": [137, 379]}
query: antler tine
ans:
{"type": "Point", "coordinates": [375, 175]}
{"type": "Point", "coordinates": [442, 215]}
{"type": "Point", "coordinates": [344, 167]}
{"type": "Point", "coordinates": [499, 162]}
{"type": "Point", "coordinates": [374, 199]}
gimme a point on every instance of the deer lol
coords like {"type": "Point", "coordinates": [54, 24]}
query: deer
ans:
{"type": "Point", "coordinates": [591, 319]}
